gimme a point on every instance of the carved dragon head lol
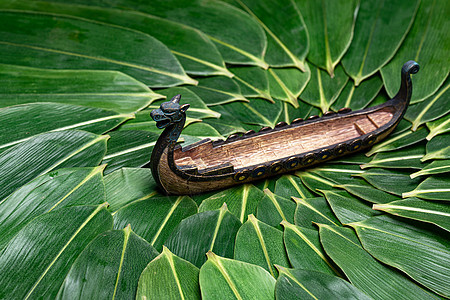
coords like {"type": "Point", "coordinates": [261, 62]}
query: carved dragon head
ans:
{"type": "Point", "coordinates": [169, 112]}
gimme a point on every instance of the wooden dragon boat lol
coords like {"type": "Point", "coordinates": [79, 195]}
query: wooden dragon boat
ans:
{"type": "Point", "coordinates": [210, 165]}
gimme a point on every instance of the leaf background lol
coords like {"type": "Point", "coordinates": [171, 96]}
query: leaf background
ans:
{"type": "Point", "coordinates": [77, 83]}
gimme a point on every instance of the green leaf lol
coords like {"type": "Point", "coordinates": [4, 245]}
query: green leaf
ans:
{"type": "Point", "coordinates": [110, 90]}
{"type": "Point", "coordinates": [402, 126]}
{"type": "Point", "coordinates": [109, 267]}
{"type": "Point", "coordinates": [207, 231]}
{"type": "Point", "coordinates": [380, 28]}
{"type": "Point", "coordinates": [268, 183]}
{"type": "Point", "coordinates": [194, 50]}
{"type": "Point", "coordinates": [421, 254]}
{"type": "Point", "coordinates": [260, 244]}
{"type": "Point", "coordinates": [290, 113]}
{"type": "Point", "coordinates": [348, 208]}
{"type": "Point", "coordinates": [430, 109]}
{"type": "Point", "coordinates": [61, 188]}
{"type": "Point", "coordinates": [416, 209]}
{"type": "Point", "coordinates": [304, 249]}
{"type": "Point", "coordinates": [288, 83]}
{"type": "Point", "coordinates": [432, 188]}
{"type": "Point", "coordinates": [337, 173]}
{"type": "Point", "coordinates": [241, 201]}
{"type": "Point", "coordinates": [394, 182]}
{"type": "Point", "coordinates": [315, 182]}
{"type": "Point", "coordinates": [289, 185]}
{"type": "Point", "coordinates": [46, 152]}
{"type": "Point", "coordinates": [358, 97]}
{"type": "Point", "coordinates": [400, 140]}
{"type": "Point", "coordinates": [227, 124]}
{"type": "Point", "coordinates": [273, 209]}
{"type": "Point", "coordinates": [330, 32]}
{"type": "Point", "coordinates": [169, 277]}
{"type": "Point", "coordinates": [200, 131]}
{"type": "Point", "coordinates": [239, 38]}
{"type": "Point", "coordinates": [439, 126]}
{"type": "Point", "coordinates": [305, 284]}
{"type": "Point", "coordinates": [218, 90]}
{"type": "Point", "coordinates": [253, 81]}
{"type": "Point", "coordinates": [315, 210]}
{"type": "Point", "coordinates": [80, 44]}
{"type": "Point", "coordinates": [381, 98]}
{"type": "Point", "coordinates": [427, 43]}
{"type": "Point", "coordinates": [381, 282]}
{"type": "Point", "coordinates": [46, 248]}
{"type": "Point", "coordinates": [156, 218]}
{"type": "Point", "coordinates": [43, 117]}
{"type": "Point", "coordinates": [368, 193]}
{"type": "Point", "coordinates": [435, 167]}
{"type": "Point", "coordinates": [130, 148]}
{"type": "Point", "coordinates": [357, 158]}
{"type": "Point", "coordinates": [258, 112]}
{"type": "Point", "coordinates": [222, 278]}
{"type": "Point", "coordinates": [438, 148]}
{"type": "Point", "coordinates": [285, 48]}
{"type": "Point", "coordinates": [408, 158]}
{"type": "Point", "coordinates": [322, 90]}
{"type": "Point", "coordinates": [127, 185]}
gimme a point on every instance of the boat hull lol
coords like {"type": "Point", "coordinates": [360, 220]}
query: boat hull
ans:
{"type": "Point", "coordinates": [206, 166]}
{"type": "Point", "coordinates": [187, 180]}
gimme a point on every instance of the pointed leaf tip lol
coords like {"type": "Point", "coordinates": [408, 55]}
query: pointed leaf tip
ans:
{"type": "Point", "coordinates": [280, 269]}
{"type": "Point", "coordinates": [224, 207]}
{"type": "Point", "coordinates": [285, 223]}
{"type": "Point", "coordinates": [252, 218]}
{"type": "Point", "coordinates": [127, 229]}
{"type": "Point", "coordinates": [210, 255]}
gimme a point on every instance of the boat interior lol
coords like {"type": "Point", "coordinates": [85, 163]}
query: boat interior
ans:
{"type": "Point", "coordinates": [285, 142]}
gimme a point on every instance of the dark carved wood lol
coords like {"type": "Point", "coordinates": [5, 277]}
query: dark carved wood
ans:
{"type": "Point", "coordinates": [207, 165]}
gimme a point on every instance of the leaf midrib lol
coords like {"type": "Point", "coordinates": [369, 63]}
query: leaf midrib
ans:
{"type": "Point", "coordinates": [425, 32]}
{"type": "Point", "coordinates": [296, 186]}
{"type": "Point", "coordinates": [245, 191]}
{"type": "Point", "coordinates": [366, 51]}
{"type": "Point", "coordinates": [259, 62]}
{"type": "Point", "coordinates": [275, 203]}
{"type": "Point", "coordinates": [222, 213]}
{"type": "Point", "coordinates": [129, 150]}
{"type": "Point", "coordinates": [127, 232]}
{"type": "Point", "coordinates": [255, 225]}
{"type": "Point", "coordinates": [175, 275]}
{"type": "Point", "coordinates": [375, 161]}
{"type": "Point", "coordinates": [227, 277]}
{"type": "Point", "coordinates": [418, 120]}
{"type": "Point", "coordinates": [410, 208]}
{"type": "Point", "coordinates": [95, 171]}
{"type": "Point", "coordinates": [298, 63]}
{"type": "Point", "coordinates": [185, 79]}
{"type": "Point", "coordinates": [85, 146]}
{"type": "Point", "coordinates": [308, 242]}
{"type": "Point", "coordinates": [389, 142]}
{"type": "Point", "coordinates": [306, 204]}
{"type": "Point", "coordinates": [91, 216]}
{"type": "Point", "coordinates": [291, 97]}
{"type": "Point", "coordinates": [288, 274]}
{"type": "Point", "coordinates": [73, 126]}
{"type": "Point", "coordinates": [166, 219]}
{"type": "Point", "coordinates": [414, 241]}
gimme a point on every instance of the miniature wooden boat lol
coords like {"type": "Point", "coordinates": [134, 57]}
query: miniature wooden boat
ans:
{"type": "Point", "coordinates": [210, 165]}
